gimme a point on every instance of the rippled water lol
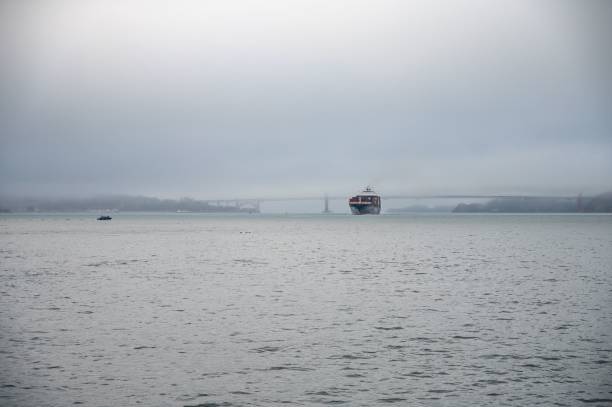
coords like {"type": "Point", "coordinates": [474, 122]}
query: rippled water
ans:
{"type": "Point", "coordinates": [267, 310]}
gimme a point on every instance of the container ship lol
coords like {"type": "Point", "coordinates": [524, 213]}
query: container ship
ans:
{"type": "Point", "coordinates": [365, 203]}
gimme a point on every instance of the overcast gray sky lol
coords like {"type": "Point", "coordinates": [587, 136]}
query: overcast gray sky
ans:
{"type": "Point", "coordinates": [283, 98]}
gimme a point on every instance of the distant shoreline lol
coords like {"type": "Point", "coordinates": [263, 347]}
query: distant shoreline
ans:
{"type": "Point", "coordinates": [125, 204]}
{"type": "Point", "coordinates": [599, 204]}
{"type": "Point", "coordinates": [119, 203]}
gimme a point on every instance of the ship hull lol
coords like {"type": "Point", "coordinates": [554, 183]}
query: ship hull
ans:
{"type": "Point", "coordinates": [361, 209]}
{"type": "Point", "coordinates": [366, 203]}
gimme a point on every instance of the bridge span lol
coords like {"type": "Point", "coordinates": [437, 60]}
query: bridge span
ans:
{"type": "Point", "coordinates": [254, 204]}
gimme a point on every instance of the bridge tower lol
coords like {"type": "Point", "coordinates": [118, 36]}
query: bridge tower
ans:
{"type": "Point", "coordinates": [326, 205]}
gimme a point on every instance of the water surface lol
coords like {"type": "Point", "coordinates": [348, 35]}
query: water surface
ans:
{"type": "Point", "coordinates": [186, 310]}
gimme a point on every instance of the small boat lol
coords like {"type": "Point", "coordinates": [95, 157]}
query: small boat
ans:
{"type": "Point", "coordinates": [104, 217]}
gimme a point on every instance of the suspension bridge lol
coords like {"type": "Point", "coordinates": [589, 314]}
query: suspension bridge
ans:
{"type": "Point", "coordinates": [254, 204]}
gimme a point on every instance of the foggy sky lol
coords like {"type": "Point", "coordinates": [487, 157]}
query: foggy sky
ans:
{"type": "Point", "coordinates": [221, 99]}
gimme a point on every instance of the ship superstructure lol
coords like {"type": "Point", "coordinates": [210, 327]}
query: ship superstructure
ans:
{"type": "Point", "coordinates": [366, 202]}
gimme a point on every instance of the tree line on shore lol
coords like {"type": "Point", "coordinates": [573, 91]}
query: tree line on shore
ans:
{"type": "Point", "coordinates": [597, 204]}
{"type": "Point", "coordinates": [114, 203]}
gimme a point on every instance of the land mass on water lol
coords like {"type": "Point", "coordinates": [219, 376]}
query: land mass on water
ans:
{"type": "Point", "coordinates": [599, 204]}
{"type": "Point", "coordinates": [125, 203]}
{"type": "Point", "coordinates": [122, 203]}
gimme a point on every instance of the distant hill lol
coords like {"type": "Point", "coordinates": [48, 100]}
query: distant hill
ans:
{"type": "Point", "coordinates": [601, 204]}
{"type": "Point", "coordinates": [122, 203]}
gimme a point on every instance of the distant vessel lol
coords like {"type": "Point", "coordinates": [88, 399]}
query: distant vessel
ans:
{"type": "Point", "coordinates": [104, 217]}
{"type": "Point", "coordinates": [365, 203]}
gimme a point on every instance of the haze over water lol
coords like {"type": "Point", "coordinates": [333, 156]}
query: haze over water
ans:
{"type": "Point", "coordinates": [225, 310]}
{"type": "Point", "coordinates": [274, 98]}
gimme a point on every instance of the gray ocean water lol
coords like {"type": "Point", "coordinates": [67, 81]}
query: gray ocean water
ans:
{"type": "Point", "coordinates": [233, 310]}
